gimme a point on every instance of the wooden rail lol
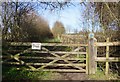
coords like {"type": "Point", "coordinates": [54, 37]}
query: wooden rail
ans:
{"type": "Point", "coordinates": [55, 64]}
{"type": "Point", "coordinates": [44, 44]}
{"type": "Point", "coordinates": [107, 43]}
{"type": "Point", "coordinates": [57, 70]}
{"type": "Point", "coordinates": [107, 59]}
{"type": "Point", "coordinates": [61, 44]}
{"type": "Point", "coordinates": [57, 52]}
{"type": "Point", "coordinates": [93, 59]}
{"type": "Point", "coordinates": [30, 57]}
{"type": "Point", "coordinates": [110, 59]}
{"type": "Point", "coordinates": [90, 59]}
{"type": "Point", "coordinates": [65, 38]}
{"type": "Point", "coordinates": [54, 58]}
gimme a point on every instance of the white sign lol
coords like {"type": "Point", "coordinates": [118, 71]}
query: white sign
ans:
{"type": "Point", "coordinates": [36, 46]}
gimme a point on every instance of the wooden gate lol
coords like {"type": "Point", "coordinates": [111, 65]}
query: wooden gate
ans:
{"type": "Point", "coordinates": [69, 58]}
{"type": "Point", "coordinates": [59, 57]}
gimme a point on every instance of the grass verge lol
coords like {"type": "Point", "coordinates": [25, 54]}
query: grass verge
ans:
{"type": "Point", "coordinates": [14, 74]}
{"type": "Point", "coordinates": [100, 75]}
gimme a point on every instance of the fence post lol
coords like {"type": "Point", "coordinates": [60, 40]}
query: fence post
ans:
{"type": "Point", "coordinates": [107, 56]}
{"type": "Point", "coordinates": [87, 61]}
{"type": "Point", "coordinates": [92, 54]}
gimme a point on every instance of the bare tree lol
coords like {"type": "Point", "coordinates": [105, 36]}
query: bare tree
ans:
{"type": "Point", "coordinates": [109, 18]}
{"type": "Point", "coordinates": [13, 14]}
{"type": "Point", "coordinates": [58, 29]}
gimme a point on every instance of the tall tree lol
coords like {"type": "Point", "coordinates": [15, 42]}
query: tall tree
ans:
{"type": "Point", "coordinates": [35, 28]}
{"type": "Point", "coordinates": [13, 14]}
{"type": "Point", "coordinates": [58, 28]}
{"type": "Point", "coordinates": [109, 18]}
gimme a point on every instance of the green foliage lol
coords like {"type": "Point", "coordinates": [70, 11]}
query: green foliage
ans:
{"type": "Point", "coordinates": [52, 40]}
{"type": "Point", "coordinates": [68, 49]}
{"type": "Point", "coordinates": [13, 74]}
{"type": "Point", "coordinates": [100, 75]}
{"type": "Point", "coordinates": [80, 56]}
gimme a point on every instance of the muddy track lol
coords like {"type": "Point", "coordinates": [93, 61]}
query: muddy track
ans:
{"type": "Point", "coordinates": [71, 76]}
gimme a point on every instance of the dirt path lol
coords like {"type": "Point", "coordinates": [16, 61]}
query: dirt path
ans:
{"type": "Point", "coordinates": [71, 76]}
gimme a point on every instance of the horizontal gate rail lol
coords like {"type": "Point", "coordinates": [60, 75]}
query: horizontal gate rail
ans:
{"type": "Point", "coordinates": [60, 52]}
{"type": "Point", "coordinates": [57, 52]}
{"type": "Point", "coordinates": [68, 61]}
{"type": "Point", "coordinates": [93, 59]}
{"type": "Point", "coordinates": [44, 44]}
{"type": "Point", "coordinates": [110, 59]}
{"type": "Point", "coordinates": [54, 64]}
{"type": "Point", "coordinates": [107, 43]}
{"type": "Point", "coordinates": [31, 57]}
{"type": "Point", "coordinates": [57, 70]}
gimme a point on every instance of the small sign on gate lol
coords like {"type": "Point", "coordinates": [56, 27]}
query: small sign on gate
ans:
{"type": "Point", "coordinates": [36, 46]}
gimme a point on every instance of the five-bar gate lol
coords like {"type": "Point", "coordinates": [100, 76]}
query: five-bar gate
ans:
{"type": "Point", "coordinates": [72, 57]}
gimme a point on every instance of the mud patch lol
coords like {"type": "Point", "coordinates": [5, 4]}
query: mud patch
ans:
{"type": "Point", "coordinates": [70, 76]}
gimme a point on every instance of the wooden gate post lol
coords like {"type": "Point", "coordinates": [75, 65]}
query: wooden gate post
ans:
{"type": "Point", "coordinates": [107, 57]}
{"type": "Point", "coordinates": [92, 54]}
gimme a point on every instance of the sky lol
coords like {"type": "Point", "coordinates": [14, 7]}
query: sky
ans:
{"type": "Point", "coordinates": [71, 17]}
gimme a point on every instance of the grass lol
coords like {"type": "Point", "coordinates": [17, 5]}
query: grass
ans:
{"type": "Point", "coordinates": [52, 40]}
{"type": "Point", "coordinates": [13, 74]}
{"type": "Point", "coordinates": [10, 73]}
{"type": "Point", "coordinates": [100, 75]}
